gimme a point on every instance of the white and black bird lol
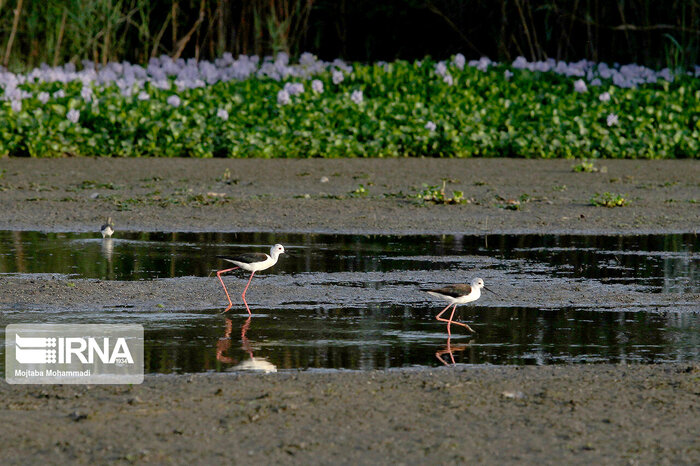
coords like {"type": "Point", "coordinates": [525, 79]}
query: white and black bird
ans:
{"type": "Point", "coordinates": [107, 229]}
{"type": "Point", "coordinates": [252, 262]}
{"type": "Point", "coordinates": [458, 294]}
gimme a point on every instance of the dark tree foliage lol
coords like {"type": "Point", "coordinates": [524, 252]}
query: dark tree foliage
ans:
{"type": "Point", "coordinates": [649, 32]}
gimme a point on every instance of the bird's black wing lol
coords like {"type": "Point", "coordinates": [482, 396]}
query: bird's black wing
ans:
{"type": "Point", "coordinates": [247, 258]}
{"type": "Point", "coordinates": [454, 291]}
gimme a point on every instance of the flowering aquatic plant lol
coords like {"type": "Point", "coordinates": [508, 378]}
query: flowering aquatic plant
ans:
{"type": "Point", "coordinates": [176, 107]}
{"type": "Point", "coordinates": [174, 100]}
{"type": "Point", "coordinates": [357, 97]}
{"type": "Point", "coordinates": [73, 115]}
{"type": "Point", "coordinates": [222, 113]}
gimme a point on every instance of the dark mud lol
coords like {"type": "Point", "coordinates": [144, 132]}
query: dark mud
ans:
{"type": "Point", "coordinates": [592, 414]}
{"type": "Point", "coordinates": [324, 195]}
{"type": "Point", "coordinates": [637, 414]}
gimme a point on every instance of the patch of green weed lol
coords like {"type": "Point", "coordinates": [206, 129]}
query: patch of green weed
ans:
{"type": "Point", "coordinates": [607, 199]}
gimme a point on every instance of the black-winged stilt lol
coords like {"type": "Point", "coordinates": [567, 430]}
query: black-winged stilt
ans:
{"type": "Point", "coordinates": [458, 294]}
{"type": "Point", "coordinates": [252, 262]}
{"type": "Point", "coordinates": [108, 228]}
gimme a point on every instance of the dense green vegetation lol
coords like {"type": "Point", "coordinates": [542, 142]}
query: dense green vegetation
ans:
{"type": "Point", "coordinates": [380, 110]}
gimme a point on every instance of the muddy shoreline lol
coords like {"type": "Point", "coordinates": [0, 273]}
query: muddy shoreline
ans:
{"type": "Point", "coordinates": [361, 196]}
{"type": "Point", "coordinates": [638, 414]}
{"type": "Point", "coordinates": [586, 414]}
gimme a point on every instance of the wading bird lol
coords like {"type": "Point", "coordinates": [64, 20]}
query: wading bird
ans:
{"type": "Point", "coordinates": [252, 262]}
{"type": "Point", "coordinates": [108, 228]}
{"type": "Point", "coordinates": [458, 294]}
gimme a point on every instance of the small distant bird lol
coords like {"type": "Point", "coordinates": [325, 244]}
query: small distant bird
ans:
{"type": "Point", "coordinates": [252, 262]}
{"type": "Point", "coordinates": [458, 294]}
{"type": "Point", "coordinates": [108, 228]}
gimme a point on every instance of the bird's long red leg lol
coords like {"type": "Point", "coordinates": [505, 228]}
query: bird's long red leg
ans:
{"type": "Point", "coordinates": [465, 326]}
{"type": "Point", "coordinates": [450, 321]}
{"type": "Point", "coordinates": [243, 295]}
{"type": "Point", "coordinates": [438, 317]}
{"type": "Point", "coordinates": [460, 323]}
{"type": "Point", "coordinates": [218, 274]}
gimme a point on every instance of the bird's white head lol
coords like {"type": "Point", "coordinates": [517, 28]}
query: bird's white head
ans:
{"type": "Point", "coordinates": [276, 250]}
{"type": "Point", "coordinates": [478, 283]}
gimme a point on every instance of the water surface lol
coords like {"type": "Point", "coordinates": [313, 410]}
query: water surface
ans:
{"type": "Point", "coordinates": [385, 334]}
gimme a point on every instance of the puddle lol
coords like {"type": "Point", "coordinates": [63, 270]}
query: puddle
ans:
{"type": "Point", "coordinates": [382, 333]}
{"type": "Point", "coordinates": [661, 263]}
{"type": "Point", "coordinates": [382, 337]}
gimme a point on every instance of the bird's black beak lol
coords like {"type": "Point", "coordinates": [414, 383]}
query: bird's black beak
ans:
{"type": "Point", "coordinates": [489, 290]}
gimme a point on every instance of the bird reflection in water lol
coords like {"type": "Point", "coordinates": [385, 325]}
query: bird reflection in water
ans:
{"type": "Point", "coordinates": [250, 364]}
{"type": "Point", "coordinates": [449, 349]}
{"type": "Point", "coordinates": [107, 252]}
{"type": "Point", "coordinates": [107, 249]}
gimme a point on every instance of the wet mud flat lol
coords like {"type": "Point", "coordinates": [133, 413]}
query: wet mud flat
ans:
{"type": "Point", "coordinates": [592, 414]}
{"type": "Point", "coordinates": [574, 413]}
{"type": "Point", "coordinates": [347, 195]}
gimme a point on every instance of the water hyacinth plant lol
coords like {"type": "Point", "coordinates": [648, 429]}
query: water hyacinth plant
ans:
{"type": "Point", "coordinates": [270, 107]}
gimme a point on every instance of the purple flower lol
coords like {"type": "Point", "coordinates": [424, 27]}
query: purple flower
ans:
{"type": "Point", "coordinates": [294, 88]}
{"type": "Point", "coordinates": [317, 86]}
{"type": "Point", "coordinates": [604, 97]}
{"type": "Point", "coordinates": [482, 64]}
{"type": "Point", "coordinates": [86, 94]}
{"type": "Point", "coordinates": [43, 97]}
{"type": "Point", "coordinates": [16, 106]}
{"type": "Point", "coordinates": [338, 77]}
{"type": "Point", "coordinates": [580, 86]}
{"type": "Point", "coordinates": [174, 100]}
{"type": "Point", "coordinates": [508, 74]}
{"type": "Point", "coordinates": [612, 119]}
{"type": "Point", "coordinates": [357, 97]}
{"type": "Point", "coordinates": [73, 115]}
{"type": "Point", "coordinates": [430, 126]}
{"type": "Point", "coordinates": [283, 98]}
{"type": "Point", "coordinates": [222, 113]}
{"type": "Point", "coordinates": [460, 61]}
{"type": "Point", "coordinates": [143, 95]}
{"type": "Point", "coordinates": [441, 69]}
{"type": "Point", "coordinates": [447, 79]}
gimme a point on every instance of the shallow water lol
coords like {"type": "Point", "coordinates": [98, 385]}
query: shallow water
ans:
{"type": "Point", "coordinates": [665, 263]}
{"type": "Point", "coordinates": [381, 334]}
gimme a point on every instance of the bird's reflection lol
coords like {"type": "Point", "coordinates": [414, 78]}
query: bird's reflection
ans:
{"type": "Point", "coordinates": [449, 349]}
{"type": "Point", "coordinates": [249, 364]}
{"type": "Point", "coordinates": [107, 251]}
{"type": "Point", "coordinates": [107, 248]}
